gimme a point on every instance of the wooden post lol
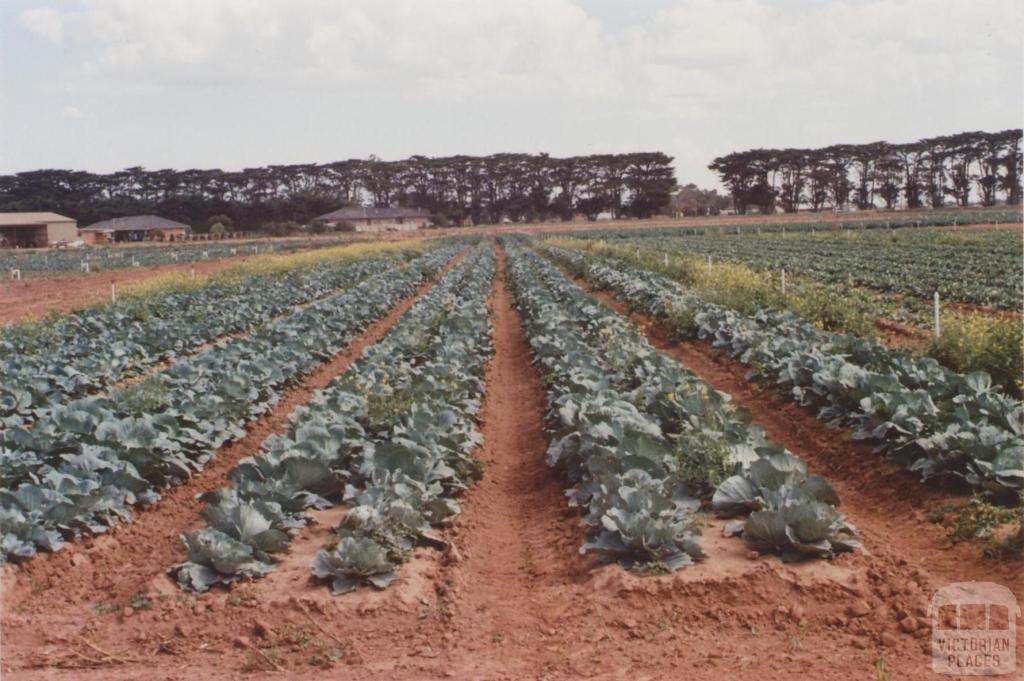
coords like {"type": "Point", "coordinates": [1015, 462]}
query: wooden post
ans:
{"type": "Point", "coordinates": [113, 292]}
{"type": "Point", "coordinates": [709, 265]}
{"type": "Point", "coordinates": [935, 315]}
{"type": "Point", "coordinates": [666, 260]}
{"type": "Point", "coordinates": [193, 272]}
{"type": "Point", "coordinates": [783, 281]}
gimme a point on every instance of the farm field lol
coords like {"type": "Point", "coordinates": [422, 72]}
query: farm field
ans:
{"type": "Point", "coordinates": [866, 284]}
{"type": "Point", "coordinates": [981, 268]}
{"type": "Point", "coordinates": [522, 457]}
{"type": "Point", "coordinates": [511, 341]}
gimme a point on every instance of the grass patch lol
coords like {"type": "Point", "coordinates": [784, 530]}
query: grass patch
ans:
{"type": "Point", "coordinates": [973, 341]}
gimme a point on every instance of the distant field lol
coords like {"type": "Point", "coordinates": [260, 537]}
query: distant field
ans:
{"type": "Point", "coordinates": [980, 267]}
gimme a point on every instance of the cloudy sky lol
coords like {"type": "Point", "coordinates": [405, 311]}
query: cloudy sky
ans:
{"type": "Point", "coordinates": [104, 84]}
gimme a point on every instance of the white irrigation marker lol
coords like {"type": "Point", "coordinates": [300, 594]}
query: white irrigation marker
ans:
{"type": "Point", "coordinates": [709, 265]}
{"type": "Point", "coordinates": [783, 281]}
{"type": "Point", "coordinates": [935, 315]}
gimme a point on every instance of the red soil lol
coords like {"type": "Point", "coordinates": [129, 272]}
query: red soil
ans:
{"type": "Point", "coordinates": [511, 598]}
{"type": "Point", "coordinates": [37, 297]}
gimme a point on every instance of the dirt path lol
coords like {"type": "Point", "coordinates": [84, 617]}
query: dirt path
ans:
{"type": "Point", "coordinates": [515, 543]}
{"type": "Point", "coordinates": [34, 298]}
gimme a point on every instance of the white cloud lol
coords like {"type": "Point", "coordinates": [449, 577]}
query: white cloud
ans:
{"type": "Point", "coordinates": [71, 111]}
{"type": "Point", "coordinates": [44, 21]}
{"type": "Point", "coordinates": [695, 77]}
{"type": "Point", "coordinates": [691, 51]}
{"type": "Point", "coordinates": [439, 48]}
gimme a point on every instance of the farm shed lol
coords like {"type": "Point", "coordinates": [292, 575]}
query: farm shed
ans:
{"type": "Point", "coordinates": [133, 228]}
{"type": "Point", "coordinates": [35, 230]}
{"type": "Point", "coordinates": [372, 219]}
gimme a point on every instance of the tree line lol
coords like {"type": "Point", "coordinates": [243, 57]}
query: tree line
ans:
{"type": "Point", "coordinates": [455, 189]}
{"type": "Point", "coordinates": [932, 172]}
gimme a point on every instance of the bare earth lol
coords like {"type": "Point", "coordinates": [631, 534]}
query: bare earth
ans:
{"type": "Point", "coordinates": [37, 297]}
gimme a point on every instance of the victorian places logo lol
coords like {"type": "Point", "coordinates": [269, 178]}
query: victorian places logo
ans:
{"type": "Point", "coordinates": [974, 629]}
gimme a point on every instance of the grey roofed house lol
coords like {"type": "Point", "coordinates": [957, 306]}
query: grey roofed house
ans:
{"type": "Point", "coordinates": [373, 219]}
{"type": "Point", "coordinates": [353, 213]}
{"type": "Point", "coordinates": [135, 223]}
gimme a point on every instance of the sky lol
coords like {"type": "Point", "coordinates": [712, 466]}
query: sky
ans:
{"type": "Point", "coordinates": [101, 85]}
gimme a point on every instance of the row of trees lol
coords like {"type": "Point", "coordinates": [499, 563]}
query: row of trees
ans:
{"type": "Point", "coordinates": [960, 169]}
{"type": "Point", "coordinates": [457, 189]}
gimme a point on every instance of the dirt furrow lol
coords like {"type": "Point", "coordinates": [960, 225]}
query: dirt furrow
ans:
{"type": "Point", "coordinates": [515, 545]}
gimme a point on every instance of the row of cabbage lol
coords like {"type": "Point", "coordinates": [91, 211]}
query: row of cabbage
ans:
{"type": "Point", "coordinates": [391, 438]}
{"type": "Point", "coordinates": [887, 222]}
{"type": "Point", "coordinates": [101, 258]}
{"type": "Point", "coordinates": [646, 444]}
{"type": "Point", "coordinates": [81, 467]}
{"type": "Point", "coordinates": [981, 268]}
{"type": "Point", "coordinates": [939, 424]}
{"type": "Point", "coordinates": [90, 350]}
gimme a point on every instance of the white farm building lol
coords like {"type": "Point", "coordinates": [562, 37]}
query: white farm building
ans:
{"type": "Point", "coordinates": [372, 219]}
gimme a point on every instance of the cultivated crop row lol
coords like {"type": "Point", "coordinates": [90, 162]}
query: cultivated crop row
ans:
{"type": "Point", "coordinates": [645, 443]}
{"type": "Point", "coordinates": [982, 268]}
{"type": "Point", "coordinates": [931, 219]}
{"type": "Point", "coordinates": [83, 465]}
{"type": "Point", "coordinates": [935, 422]}
{"type": "Point", "coordinates": [391, 438]}
{"type": "Point", "coordinates": [87, 351]}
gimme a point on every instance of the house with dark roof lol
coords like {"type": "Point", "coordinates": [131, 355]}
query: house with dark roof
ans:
{"type": "Point", "coordinates": [133, 228]}
{"type": "Point", "coordinates": [374, 219]}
